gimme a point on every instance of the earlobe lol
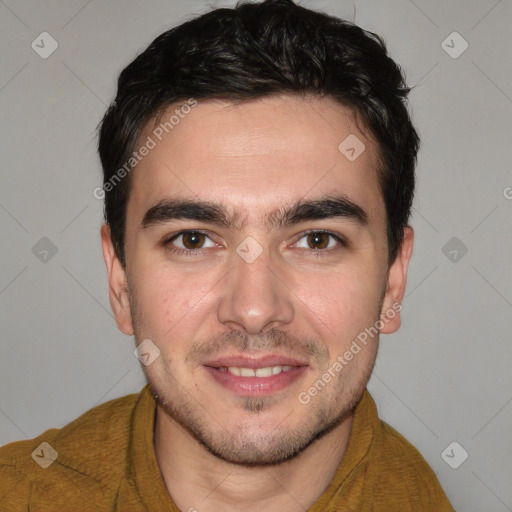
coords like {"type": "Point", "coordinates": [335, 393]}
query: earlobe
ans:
{"type": "Point", "coordinates": [395, 290]}
{"type": "Point", "coordinates": [117, 284]}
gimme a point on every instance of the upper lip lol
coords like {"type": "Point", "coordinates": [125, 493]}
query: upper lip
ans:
{"type": "Point", "coordinates": [245, 361]}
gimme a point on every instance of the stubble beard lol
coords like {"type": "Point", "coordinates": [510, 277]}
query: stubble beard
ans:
{"type": "Point", "coordinates": [241, 446]}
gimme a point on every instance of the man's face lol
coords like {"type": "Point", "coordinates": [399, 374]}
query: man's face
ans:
{"type": "Point", "coordinates": [256, 301]}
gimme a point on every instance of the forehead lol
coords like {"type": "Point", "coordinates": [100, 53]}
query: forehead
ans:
{"type": "Point", "coordinates": [255, 156]}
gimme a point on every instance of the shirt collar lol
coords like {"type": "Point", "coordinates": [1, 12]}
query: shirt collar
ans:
{"type": "Point", "coordinates": [364, 435]}
{"type": "Point", "coordinates": [144, 482]}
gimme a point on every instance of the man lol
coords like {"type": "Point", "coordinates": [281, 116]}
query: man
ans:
{"type": "Point", "coordinates": [258, 179]}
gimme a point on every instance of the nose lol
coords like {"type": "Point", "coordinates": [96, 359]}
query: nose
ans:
{"type": "Point", "coordinates": [255, 297]}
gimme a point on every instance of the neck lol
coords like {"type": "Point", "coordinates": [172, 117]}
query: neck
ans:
{"type": "Point", "coordinates": [199, 481]}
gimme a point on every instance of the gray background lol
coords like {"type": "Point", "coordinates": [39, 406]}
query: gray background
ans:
{"type": "Point", "coordinates": [444, 377]}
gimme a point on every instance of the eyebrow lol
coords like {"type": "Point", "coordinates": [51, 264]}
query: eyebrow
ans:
{"type": "Point", "coordinates": [326, 207]}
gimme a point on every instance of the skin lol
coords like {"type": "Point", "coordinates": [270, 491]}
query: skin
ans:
{"type": "Point", "coordinates": [218, 450]}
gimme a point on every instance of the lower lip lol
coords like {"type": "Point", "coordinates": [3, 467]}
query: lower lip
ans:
{"type": "Point", "coordinates": [256, 386]}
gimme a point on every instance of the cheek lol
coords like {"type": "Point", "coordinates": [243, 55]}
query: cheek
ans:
{"type": "Point", "coordinates": [342, 300]}
{"type": "Point", "coordinates": [160, 299]}
{"type": "Point", "coordinates": [171, 303]}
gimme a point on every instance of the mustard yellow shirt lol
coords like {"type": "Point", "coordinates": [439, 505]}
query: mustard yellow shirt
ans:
{"type": "Point", "coordinates": [105, 461]}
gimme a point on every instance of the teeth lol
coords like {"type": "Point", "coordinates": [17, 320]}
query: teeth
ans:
{"type": "Point", "coordinates": [264, 372]}
{"type": "Point", "coordinates": [259, 372]}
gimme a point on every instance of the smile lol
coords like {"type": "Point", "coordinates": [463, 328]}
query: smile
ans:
{"type": "Point", "coordinates": [268, 371]}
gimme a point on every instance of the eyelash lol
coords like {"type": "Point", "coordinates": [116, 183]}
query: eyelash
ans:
{"type": "Point", "coordinates": [194, 252]}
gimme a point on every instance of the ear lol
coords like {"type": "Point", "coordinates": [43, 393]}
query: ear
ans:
{"type": "Point", "coordinates": [395, 290]}
{"type": "Point", "coordinates": [117, 284]}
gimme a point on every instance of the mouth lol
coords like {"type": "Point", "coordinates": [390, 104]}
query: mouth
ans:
{"type": "Point", "coordinates": [256, 376]}
{"type": "Point", "coordinates": [265, 372]}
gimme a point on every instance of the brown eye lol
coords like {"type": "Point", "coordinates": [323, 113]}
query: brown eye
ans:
{"type": "Point", "coordinates": [318, 240]}
{"type": "Point", "coordinates": [189, 243]}
{"type": "Point", "coordinates": [193, 240]}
